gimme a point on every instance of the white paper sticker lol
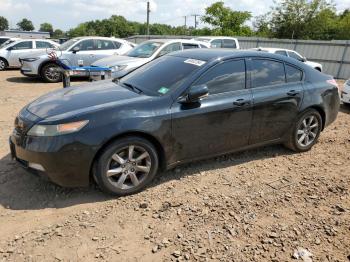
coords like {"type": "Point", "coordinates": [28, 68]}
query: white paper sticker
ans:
{"type": "Point", "coordinates": [194, 62]}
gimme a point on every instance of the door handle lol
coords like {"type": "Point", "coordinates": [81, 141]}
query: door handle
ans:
{"type": "Point", "coordinates": [292, 93]}
{"type": "Point", "coordinates": [240, 102]}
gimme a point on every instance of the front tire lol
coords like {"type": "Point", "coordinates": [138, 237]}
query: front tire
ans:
{"type": "Point", "coordinates": [51, 73]}
{"type": "Point", "coordinates": [126, 166]}
{"type": "Point", "coordinates": [3, 64]}
{"type": "Point", "coordinates": [305, 132]}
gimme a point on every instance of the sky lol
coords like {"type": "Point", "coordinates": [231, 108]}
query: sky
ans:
{"type": "Point", "coordinates": [66, 14]}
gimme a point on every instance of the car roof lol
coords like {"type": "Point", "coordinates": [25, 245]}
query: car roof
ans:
{"type": "Point", "coordinates": [220, 53]}
{"type": "Point", "coordinates": [98, 37]}
{"type": "Point", "coordinates": [271, 49]}
{"type": "Point", "coordinates": [174, 40]}
{"type": "Point", "coordinates": [216, 37]}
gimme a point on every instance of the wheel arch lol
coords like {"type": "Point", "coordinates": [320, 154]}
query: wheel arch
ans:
{"type": "Point", "coordinates": [45, 63]}
{"type": "Point", "coordinates": [6, 62]}
{"type": "Point", "coordinates": [154, 141]}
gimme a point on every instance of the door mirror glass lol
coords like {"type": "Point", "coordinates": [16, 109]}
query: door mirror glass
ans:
{"type": "Point", "coordinates": [76, 49]}
{"type": "Point", "coordinates": [195, 94]}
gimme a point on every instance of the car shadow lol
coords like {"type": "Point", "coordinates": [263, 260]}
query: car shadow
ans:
{"type": "Point", "coordinates": [21, 190]}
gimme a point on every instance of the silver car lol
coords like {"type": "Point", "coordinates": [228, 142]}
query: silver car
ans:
{"type": "Point", "coordinates": [11, 51]}
{"type": "Point", "coordinates": [81, 51]}
{"type": "Point", "coordinates": [144, 53]}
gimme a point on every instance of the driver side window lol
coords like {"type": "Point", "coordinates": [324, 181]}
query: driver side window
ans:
{"type": "Point", "coordinates": [225, 77]}
{"type": "Point", "coordinates": [85, 45]}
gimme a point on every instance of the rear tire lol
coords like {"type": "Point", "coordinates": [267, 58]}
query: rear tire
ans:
{"type": "Point", "coordinates": [51, 73]}
{"type": "Point", "coordinates": [3, 64]}
{"type": "Point", "coordinates": [126, 166]}
{"type": "Point", "coordinates": [305, 132]}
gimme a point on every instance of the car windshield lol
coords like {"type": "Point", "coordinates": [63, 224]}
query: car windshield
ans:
{"type": "Point", "coordinates": [145, 50]}
{"type": "Point", "coordinates": [163, 75]}
{"type": "Point", "coordinates": [68, 44]}
{"type": "Point", "coordinates": [6, 43]}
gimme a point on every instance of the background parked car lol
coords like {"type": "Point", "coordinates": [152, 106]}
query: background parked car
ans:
{"type": "Point", "coordinates": [219, 41]}
{"type": "Point", "coordinates": [292, 54]}
{"type": "Point", "coordinates": [81, 51]}
{"type": "Point", "coordinates": [146, 52]}
{"type": "Point", "coordinates": [345, 93]}
{"type": "Point", "coordinates": [10, 53]}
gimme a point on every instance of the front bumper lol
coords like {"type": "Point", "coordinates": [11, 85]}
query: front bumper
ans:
{"type": "Point", "coordinates": [63, 161]}
{"type": "Point", "coordinates": [29, 68]}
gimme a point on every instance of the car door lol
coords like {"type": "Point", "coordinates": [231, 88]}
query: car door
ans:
{"type": "Point", "coordinates": [85, 56]}
{"type": "Point", "coordinates": [276, 100]}
{"type": "Point", "coordinates": [104, 48]}
{"type": "Point", "coordinates": [18, 50]}
{"type": "Point", "coordinates": [220, 122]}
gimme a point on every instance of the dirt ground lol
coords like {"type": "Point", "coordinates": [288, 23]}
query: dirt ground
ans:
{"type": "Point", "coordinates": [258, 205]}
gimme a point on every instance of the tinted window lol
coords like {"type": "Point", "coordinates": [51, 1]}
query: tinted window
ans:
{"type": "Point", "coordinates": [225, 77]}
{"type": "Point", "coordinates": [293, 74]}
{"type": "Point", "coordinates": [43, 44]}
{"type": "Point", "coordinates": [189, 46]}
{"type": "Point", "coordinates": [23, 45]}
{"type": "Point", "coordinates": [295, 56]}
{"type": "Point", "coordinates": [163, 74]}
{"type": "Point", "coordinates": [3, 40]}
{"type": "Point", "coordinates": [118, 45]}
{"type": "Point", "coordinates": [267, 72]}
{"type": "Point", "coordinates": [228, 43]}
{"type": "Point", "coordinates": [216, 43]}
{"type": "Point", "coordinates": [281, 52]}
{"type": "Point", "coordinates": [86, 45]}
{"type": "Point", "coordinates": [170, 48]}
{"type": "Point", "coordinates": [104, 45]}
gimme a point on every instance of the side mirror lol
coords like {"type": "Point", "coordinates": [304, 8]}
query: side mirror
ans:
{"type": "Point", "coordinates": [195, 94]}
{"type": "Point", "coordinates": [75, 49]}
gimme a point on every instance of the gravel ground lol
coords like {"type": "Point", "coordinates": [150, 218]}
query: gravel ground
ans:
{"type": "Point", "coordinates": [260, 205]}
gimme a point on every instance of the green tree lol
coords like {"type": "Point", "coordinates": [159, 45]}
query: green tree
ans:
{"type": "Point", "coordinates": [4, 24]}
{"type": "Point", "coordinates": [226, 21]}
{"type": "Point", "coordinates": [46, 27]}
{"type": "Point", "coordinates": [25, 25]}
{"type": "Point", "coordinates": [58, 33]}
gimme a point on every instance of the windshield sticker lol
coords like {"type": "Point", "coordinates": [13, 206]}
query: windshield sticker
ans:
{"type": "Point", "coordinates": [163, 90]}
{"type": "Point", "coordinates": [195, 62]}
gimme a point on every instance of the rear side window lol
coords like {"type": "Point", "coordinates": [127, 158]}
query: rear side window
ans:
{"type": "Point", "coordinates": [293, 74]}
{"type": "Point", "coordinates": [43, 45]}
{"type": "Point", "coordinates": [104, 45]}
{"type": "Point", "coordinates": [118, 45]}
{"type": "Point", "coordinates": [225, 77]}
{"type": "Point", "coordinates": [267, 72]}
{"type": "Point", "coordinates": [281, 52]}
{"type": "Point", "coordinates": [23, 45]}
{"type": "Point", "coordinates": [170, 48]}
{"type": "Point", "coordinates": [228, 43]}
{"type": "Point", "coordinates": [216, 43]}
{"type": "Point", "coordinates": [189, 46]}
{"type": "Point", "coordinates": [86, 45]}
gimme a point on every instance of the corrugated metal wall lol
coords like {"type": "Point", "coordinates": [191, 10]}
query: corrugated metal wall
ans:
{"type": "Point", "coordinates": [333, 55]}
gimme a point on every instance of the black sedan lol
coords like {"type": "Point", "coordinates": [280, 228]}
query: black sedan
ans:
{"type": "Point", "coordinates": [179, 108]}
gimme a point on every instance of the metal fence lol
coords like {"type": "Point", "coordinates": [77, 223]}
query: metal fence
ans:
{"type": "Point", "coordinates": [333, 55]}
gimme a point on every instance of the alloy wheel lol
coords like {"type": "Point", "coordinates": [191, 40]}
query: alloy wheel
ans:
{"type": "Point", "coordinates": [2, 64]}
{"type": "Point", "coordinates": [307, 130]}
{"type": "Point", "coordinates": [52, 73]}
{"type": "Point", "coordinates": [128, 167]}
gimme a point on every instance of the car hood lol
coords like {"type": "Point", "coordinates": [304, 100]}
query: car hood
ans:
{"type": "Point", "coordinates": [120, 60]}
{"type": "Point", "coordinates": [68, 102]}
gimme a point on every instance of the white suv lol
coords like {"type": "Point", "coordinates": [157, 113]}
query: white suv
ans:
{"type": "Point", "coordinates": [80, 51]}
{"type": "Point", "coordinates": [292, 54]}
{"type": "Point", "coordinates": [219, 41]}
{"type": "Point", "coordinates": [11, 52]}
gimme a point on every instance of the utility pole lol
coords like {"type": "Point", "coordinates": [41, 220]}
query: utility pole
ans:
{"type": "Point", "coordinates": [195, 20]}
{"type": "Point", "coordinates": [185, 21]}
{"type": "Point", "coordinates": [148, 11]}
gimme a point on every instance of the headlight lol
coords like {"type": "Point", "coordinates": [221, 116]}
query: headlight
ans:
{"type": "Point", "coordinates": [30, 59]}
{"type": "Point", "coordinates": [118, 68]}
{"type": "Point", "coordinates": [56, 130]}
